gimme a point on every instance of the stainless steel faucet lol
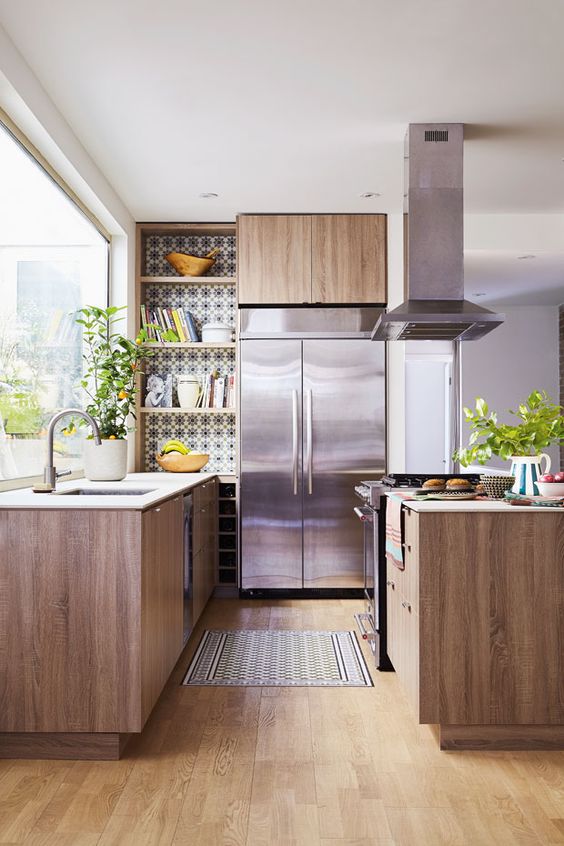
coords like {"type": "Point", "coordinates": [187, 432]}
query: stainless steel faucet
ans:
{"type": "Point", "coordinates": [50, 475]}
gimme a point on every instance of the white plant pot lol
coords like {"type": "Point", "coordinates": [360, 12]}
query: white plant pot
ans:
{"type": "Point", "coordinates": [527, 469]}
{"type": "Point", "coordinates": [106, 462]}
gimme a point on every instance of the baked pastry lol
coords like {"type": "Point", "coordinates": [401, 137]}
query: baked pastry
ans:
{"type": "Point", "coordinates": [434, 484]}
{"type": "Point", "coordinates": [459, 485]}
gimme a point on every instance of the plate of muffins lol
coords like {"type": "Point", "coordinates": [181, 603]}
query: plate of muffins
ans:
{"type": "Point", "coordinates": [449, 489]}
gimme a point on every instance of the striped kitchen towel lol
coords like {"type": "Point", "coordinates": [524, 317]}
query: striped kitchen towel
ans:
{"type": "Point", "coordinates": [394, 528]}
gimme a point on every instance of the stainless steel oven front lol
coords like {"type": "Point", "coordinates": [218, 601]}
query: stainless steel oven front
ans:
{"type": "Point", "coordinates": [369, 622]}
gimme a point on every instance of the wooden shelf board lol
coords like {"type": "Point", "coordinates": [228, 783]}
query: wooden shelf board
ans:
{"type": "Point", "coordinates": [175, 410]}
{"type": "Point", "coordinates": [188, 280]}
{"type": "Point", "coordinates": [191, 345]}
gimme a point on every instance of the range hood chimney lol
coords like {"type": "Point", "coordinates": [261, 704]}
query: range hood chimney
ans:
{"type": "Point", "coordinates": [435, 308]}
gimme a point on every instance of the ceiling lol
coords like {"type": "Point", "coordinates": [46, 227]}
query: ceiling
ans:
{"type": "Point", "coordinates": [303, 105]}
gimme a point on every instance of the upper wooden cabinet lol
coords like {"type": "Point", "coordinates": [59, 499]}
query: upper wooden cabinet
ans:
{"type": "Point", "coordinates": [274, 259]}
{"type": "Point", "coordinates": [325, 259]}
{"type": "Point", "coordinates": [348, 258]}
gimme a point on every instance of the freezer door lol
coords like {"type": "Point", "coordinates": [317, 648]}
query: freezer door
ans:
{"type": "Point", "coordinates": [343, 443]}
{"type": "Point", "coordinates": [270, 462]}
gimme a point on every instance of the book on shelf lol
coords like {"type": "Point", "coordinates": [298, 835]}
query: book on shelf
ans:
{"type": "Point", "coordinates": [167, 324]}
{"type": "Point", "coordinates": [217, 391]}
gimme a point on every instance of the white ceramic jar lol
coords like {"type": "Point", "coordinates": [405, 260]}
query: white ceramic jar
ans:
{"type": "Point", "coordinates": [188, 389]}
{"type": "Point", "coordinates": [219, 333]}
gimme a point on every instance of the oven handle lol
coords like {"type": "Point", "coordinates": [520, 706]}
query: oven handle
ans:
{"type": "Point", "coordinates": [365, 514]}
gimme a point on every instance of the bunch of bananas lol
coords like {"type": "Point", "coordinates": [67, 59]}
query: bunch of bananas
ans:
{"type": "Point", "coordinates": [175, 446]}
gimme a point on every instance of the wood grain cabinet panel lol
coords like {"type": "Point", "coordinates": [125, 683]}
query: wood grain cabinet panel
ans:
{"type": "Point", "coordinates": [274, 259]}
{"type": "Point", "coordinates": [483, 643]}
{"type": "Point", "coordinates": [349, 258]}
{"type": "Point", "coordinates": [204, 565]}
{"type": "Point", "coordinates": [161, 597]}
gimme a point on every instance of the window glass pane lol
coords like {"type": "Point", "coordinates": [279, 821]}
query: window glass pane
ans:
{"type": "Point", "coordinates": [53, 261]}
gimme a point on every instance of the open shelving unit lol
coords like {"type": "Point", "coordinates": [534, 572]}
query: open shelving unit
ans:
{"type": "Point", "coordinates": [209, 298]}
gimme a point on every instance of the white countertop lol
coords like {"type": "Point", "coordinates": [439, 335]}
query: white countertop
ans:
{"type": "Point", "coordinates": [161, 485]}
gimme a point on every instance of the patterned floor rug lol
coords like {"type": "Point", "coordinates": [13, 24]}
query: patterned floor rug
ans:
{"type": "Point", "coordinates": [268, 657]}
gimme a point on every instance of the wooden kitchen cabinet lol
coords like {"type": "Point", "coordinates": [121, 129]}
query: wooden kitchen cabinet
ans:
{"type": "Point", "coordinates": [348, 258]}
{"type": "Point", "coordinates": [312, 259]}
{"type": "Point", "coordinates": [476, 629]}
{"type": "Point", "coordinates": [204, 544]}
{"type": "Point", "coordinates": [161, 598]}
{"type": "Point", "coordinates": [95, 599]}
{"type": "Point", "coordinates": [274, 259]}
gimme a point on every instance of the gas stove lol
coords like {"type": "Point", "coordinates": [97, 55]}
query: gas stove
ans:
{"type": "Point", "coordinates": [371, 491]}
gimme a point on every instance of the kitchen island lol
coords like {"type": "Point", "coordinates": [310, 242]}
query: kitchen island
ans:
{"type": "Point", "coordinates": [92, 607]}
{"type": "Point", "coordinates": [476, 622]}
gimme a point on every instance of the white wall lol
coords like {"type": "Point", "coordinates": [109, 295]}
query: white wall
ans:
{"type": "Point", "coordinates": [510, 362]}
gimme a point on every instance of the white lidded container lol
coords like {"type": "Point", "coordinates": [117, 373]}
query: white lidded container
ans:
{"type": "Point", "coordinates": [217, 333]}
{"type": "Point", "coordinates": [188, 389]}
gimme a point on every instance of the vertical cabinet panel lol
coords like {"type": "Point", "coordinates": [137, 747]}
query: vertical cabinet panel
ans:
{"type": "Point", "coordinates": [162, 597]}
{"type": "Point", "coordinates": [274, 259]}
{"type": "Point", "coordinates": [270, 492]}
{"type": "Point", "coordinates": [204, 544]}
{"type": "Point", "coordinates": [349, 258]}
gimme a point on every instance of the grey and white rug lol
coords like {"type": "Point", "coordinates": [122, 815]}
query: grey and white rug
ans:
{"type": "Point", "coordinates": [268, 657]}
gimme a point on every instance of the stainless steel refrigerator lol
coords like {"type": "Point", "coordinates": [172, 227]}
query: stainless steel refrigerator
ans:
{"type": "Point", "coordinates": [312, 426]}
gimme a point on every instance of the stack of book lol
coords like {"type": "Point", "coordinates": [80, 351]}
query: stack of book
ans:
{"type": "Point", "coordinates": [169, 324]}
{"type": "Point", "coordinates": [217, 391]}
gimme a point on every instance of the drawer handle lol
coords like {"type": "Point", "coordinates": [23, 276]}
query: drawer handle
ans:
{"type": "Point", "coordinates": [407, 546]}
{"type": "Point", "coordinates": [157, 510]}
{"type": "Point", "coordinates": [391, 584]}
{"type": "Point", "coordinates": [405, 604]}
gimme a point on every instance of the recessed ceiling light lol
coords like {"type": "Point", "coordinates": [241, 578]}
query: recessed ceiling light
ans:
{"type": "Point", "coordinates": [208, 195]}
{"type": "Point", "coordinates": [370, 195]}
{"type": "Point", "coordinates": [527, 256]}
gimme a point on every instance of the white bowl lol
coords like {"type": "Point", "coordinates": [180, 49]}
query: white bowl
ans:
{"type": "Point", "coordinates": [550, 488]}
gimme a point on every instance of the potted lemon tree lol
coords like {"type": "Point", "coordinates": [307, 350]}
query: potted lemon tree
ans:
{"type": "Point", "coordinates": [539, 424]}
{"type": "Point", "coordinates": [111, 365]}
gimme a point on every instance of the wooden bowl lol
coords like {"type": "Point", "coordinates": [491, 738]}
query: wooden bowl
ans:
{"type": "Point", "coordinates": [188, 265]}
{"type": "Point", "coordinates": [175, 462]}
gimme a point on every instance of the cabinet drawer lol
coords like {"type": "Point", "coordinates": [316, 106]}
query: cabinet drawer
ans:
{"type": "Point", "coordinates": [199, 529]}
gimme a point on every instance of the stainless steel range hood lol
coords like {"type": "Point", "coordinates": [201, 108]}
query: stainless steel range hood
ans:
{"type": "Point", "coordinates": [435, 308]}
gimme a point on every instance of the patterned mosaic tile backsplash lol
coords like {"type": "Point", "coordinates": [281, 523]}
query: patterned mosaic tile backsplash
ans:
{"type": "Point", "coordinates": [214, 434]}
{"type": "Point", "coordinates": [158, 246]}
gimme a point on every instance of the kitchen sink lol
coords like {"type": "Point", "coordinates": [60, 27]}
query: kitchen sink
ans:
{"type": "Point", "coordinates": [106, 492]}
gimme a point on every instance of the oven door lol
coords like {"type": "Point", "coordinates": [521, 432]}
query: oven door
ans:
{"type": "Point", "coordinates": [368, 621]}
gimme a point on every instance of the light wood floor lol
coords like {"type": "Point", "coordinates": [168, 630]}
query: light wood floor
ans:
{"type": "Point", "coordinates": [284, 767]}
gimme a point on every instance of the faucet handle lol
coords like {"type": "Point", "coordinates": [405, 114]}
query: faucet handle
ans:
{"type": "Point", "coordinates": [63, 473]}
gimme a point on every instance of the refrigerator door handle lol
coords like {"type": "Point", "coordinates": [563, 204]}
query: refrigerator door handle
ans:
{"type": "Point", "coordinates": [295, 443]}
{"type": "Point", "coordinates": [309, 442]}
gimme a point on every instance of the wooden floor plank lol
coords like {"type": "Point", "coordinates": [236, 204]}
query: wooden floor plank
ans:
{"type": "Point", "coordinates": [285, 767]}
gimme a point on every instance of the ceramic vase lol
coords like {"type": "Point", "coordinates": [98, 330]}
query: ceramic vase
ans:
{"type": "Point", "coordinates": [188, 389]}
{"type": "Point", "coordinates": [106, 462]}
{"type": "Point", "coordinates": [527, 469]}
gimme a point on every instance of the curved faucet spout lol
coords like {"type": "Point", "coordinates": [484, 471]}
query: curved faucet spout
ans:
{"type": "Point", "coordinates": [50, 475]}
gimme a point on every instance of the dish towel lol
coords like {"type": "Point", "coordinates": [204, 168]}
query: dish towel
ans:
{"type": "Point", "coordinates": [394, 533]}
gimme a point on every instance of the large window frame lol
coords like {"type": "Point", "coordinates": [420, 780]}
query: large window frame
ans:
{"type": "Point", "coordinates": [8, 126]}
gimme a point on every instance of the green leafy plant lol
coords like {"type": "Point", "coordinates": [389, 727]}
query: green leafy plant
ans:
{"type": "Point", "coordinates": [112, 364]}
{"type": "Point", "coordinates": [542, 424]}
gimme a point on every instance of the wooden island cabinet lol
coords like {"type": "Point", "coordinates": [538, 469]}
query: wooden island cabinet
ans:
{"type": "Point", "coordinates": [476, 625]}
{"type": "Point", "coordinates": [91, 616]}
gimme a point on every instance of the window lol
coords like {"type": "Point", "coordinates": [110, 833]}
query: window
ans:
{"type": "Point", "coordinates": [53, 261]}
